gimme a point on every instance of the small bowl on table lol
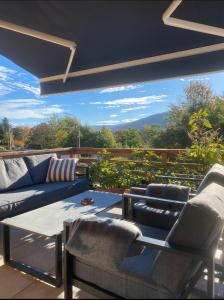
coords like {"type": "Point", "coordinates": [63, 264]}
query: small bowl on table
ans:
{"type": "Point", "coordinates": [87, 201]}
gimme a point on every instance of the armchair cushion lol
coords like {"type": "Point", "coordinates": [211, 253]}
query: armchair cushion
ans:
{"type": "Point", "coordinates": [120, 284]}
{"type": "Point", "coordinates": [168, 191]}
{"type": "Point", "coordinates": [152, 216]}
{"type": "Point", "coordinates": [215, 174]}
{"type": "Point", "coordinates": [103, 241]}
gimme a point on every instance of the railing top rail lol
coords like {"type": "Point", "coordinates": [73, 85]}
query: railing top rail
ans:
{"type": "Point", "coordinates": [16, 154]}
{"type": "Point", "coordinates": [125, 152]}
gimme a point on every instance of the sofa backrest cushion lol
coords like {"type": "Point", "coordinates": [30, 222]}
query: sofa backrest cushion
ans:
{"type": "Point", "coordinates": [38, 166]}
{"type": "Point", "coordinates": [14, 174]}
{"type": "Point", "coordinates": [61, 170]}
{"type": "Point", "coordinates": [198, 227]}
{"type": "Point", "coordinates": [215, 174]}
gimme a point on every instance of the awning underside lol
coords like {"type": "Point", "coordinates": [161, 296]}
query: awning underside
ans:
{"type": "Point", "coordinates": [109, 32]}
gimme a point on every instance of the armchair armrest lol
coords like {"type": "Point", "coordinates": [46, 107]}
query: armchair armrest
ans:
{"type": "Point", "coordinates": [142, 191]}
{"type": "Point", "coordinates": [152, 243]}
{"type": "Point", "coordinates": [138, 190]}
{"type": "Point", "coordinates": [181, 178]}
{"type": "Point", "coordinates": [165, 246]}
{"type": "Point", "coordinates": [129, 200]}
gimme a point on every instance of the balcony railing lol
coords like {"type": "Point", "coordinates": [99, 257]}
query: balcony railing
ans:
{"type": "Point", "coordinates": [167, 157]}
{"type": "Point", "coordinates": [88, 155]}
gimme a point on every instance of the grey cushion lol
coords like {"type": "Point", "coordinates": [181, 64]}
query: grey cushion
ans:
{"type": "Point", "coordinates": [38, 166]}
{"type": "Point", "coordinates": [137, 284]}
{"type": "Point", "coordinates": [120, 284]}
{"type": "Point", "coordinates": [153, 232]}
{"type": "Point", "coordinates": [103, 241]}
{"type": "Point", "coordinates": [198, 227]}
{"type": "Point", "coordinates": [14, 174]}
{"type": "Point", "coordinates": [152, 216]}
{"type": "Point", "coordinates": [22, 200]}
{"type": "Point", "coordinates": [168, 191]}
{"type": "Point", "coordinates": [215, 174]}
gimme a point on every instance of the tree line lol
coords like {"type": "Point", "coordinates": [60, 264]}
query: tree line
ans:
{"type": "Point", "coordinates": [67, 131]}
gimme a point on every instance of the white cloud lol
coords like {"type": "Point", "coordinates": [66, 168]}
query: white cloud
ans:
{"type": "Point", "coordinates": [142, 115]}
{"type": "Point", "coordinates": [119, 88]}
{"type": "Point", "coordinates": [4, 89]}
{"type": "Point", "coordinates": [113, 116]}
{"type": "Point", "coordinates": [110, 122]}
{"type": "Point", "coordinates": [9, 83]}
{"type": "Point", "coordinates": [194, 79]}
{"type": "Point", "coordinates": [124, 110]}
{"type": "Point", "coordinates": [28, 88]}
{"type": "Point", "coordinates": [107, 107]}
{"type": "Point", "coordinates": [5, 73]}
{"type": "Point", "coordinates": [5, 80]}
{"type": "Point", "coordinates": [129, 120]}
{"type": "Point", "coordinates": [27, 109]}
{"type": "Point", "coordinates": [132, 101]}
{"type": "Point", "coordinates": [116, 122]}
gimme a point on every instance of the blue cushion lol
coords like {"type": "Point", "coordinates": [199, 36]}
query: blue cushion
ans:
{"type": "Point", "coordinates": [22, 200]}
{"type": "Point", "coordinates": [38, 166]}
{"type": "Point", "coordinates": [14, 174]}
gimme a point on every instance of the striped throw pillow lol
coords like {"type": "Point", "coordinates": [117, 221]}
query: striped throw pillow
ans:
{"type": "Point", "coordinates": [61, 170]}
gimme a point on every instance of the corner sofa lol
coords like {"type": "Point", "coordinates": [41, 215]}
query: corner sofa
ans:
{"type": "Point", "coordinates": [23, 187]}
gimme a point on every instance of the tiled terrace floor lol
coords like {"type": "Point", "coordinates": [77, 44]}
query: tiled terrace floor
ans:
{"type": "Point", "coordinates": [39, 252]}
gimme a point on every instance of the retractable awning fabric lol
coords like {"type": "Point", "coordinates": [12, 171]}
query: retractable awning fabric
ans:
{"type": "Point", "coordinates": [107, 33]}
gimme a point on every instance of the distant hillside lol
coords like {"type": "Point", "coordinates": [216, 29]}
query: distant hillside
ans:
{"type": "Point", "coordinates": [156, 119]}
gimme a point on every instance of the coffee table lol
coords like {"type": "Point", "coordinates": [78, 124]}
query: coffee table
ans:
{"type": "Point", "coordinates": [48, 221]}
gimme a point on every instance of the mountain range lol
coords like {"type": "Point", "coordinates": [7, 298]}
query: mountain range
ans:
{"type": "Point", "coordinates": [156, 119]}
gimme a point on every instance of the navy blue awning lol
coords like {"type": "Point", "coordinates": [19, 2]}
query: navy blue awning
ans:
{"type": "Point", "coordinates": [107, 33]}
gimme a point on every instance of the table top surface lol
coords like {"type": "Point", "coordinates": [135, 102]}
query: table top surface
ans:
{"type": "Point", "coordinates": [48, 220]}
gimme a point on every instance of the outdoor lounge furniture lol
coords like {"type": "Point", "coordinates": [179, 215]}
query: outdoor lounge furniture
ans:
{"type": "Point", "coordinates": [48, 221]}
{"type": "Point", "coordinates": [158, 213]}
{"type": "Point", "coordinates": [159, 205]}
{"type": "Point", "coordinates": [23, 187]}
{"type": "Point", "coordinates": [165, 269]}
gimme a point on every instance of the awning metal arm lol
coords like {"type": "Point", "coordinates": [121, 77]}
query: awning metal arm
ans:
{"type": "Point", "coordinates": [189, 25]}
{"type": "Point", "coordinates": [45, 37]}
{"type": "Point", "coordinates": [138, 62]}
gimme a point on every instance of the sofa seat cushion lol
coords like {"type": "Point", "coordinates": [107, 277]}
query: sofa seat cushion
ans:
{"type": "Point", "coordinates": [38, 166]}
{"type": "Point", "coordinates": [22, 200]}
{"type": "Point", "coordinates": [152, 216]}
{"type": "Point", "coordinates": [14, 174]}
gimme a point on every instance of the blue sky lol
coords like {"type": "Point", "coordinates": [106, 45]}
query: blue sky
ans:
{"type": "Point", "coordinates": [21, 103]}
